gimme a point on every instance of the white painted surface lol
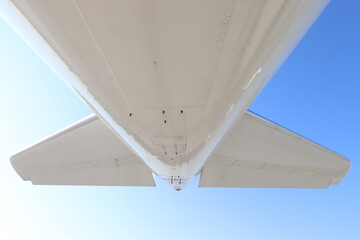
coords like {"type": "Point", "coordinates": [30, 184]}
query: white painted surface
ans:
{"type": "Point", "coordinates": [170, 78]}
{"type": "Point", "coordinates": [258, 153]}
{"type": "Point", "coordinates": [87, 153]}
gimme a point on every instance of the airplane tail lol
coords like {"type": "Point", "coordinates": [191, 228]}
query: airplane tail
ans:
{"type": "Point", "coordinates": [260, 154]}
{"type": "Point", "coordinates": [86, 153]}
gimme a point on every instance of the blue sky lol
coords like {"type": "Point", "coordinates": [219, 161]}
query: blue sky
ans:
{"type": "Point", "coordinates": [315, 93]}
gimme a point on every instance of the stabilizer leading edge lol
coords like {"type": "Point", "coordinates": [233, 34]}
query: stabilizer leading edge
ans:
{"type": "Point", "coordinates": [87, 153]}
{"type": "Point", "coordinates": [257, 153]}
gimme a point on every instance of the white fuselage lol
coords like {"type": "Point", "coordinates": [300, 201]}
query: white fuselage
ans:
{"type": "Point", "coordinates": [170, 78]}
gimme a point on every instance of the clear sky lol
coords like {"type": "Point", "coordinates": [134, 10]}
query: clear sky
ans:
{"type": "Point", "coordinates": [316, 93]}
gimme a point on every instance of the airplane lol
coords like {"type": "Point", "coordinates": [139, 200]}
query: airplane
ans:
{"type": "Point", "coordinates": [170, 83]}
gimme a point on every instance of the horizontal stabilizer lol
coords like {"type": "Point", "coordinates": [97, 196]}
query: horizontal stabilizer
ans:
{"type": "Point", "coordinates": [87, 153]}
{"type": "Point", "coordinates": [257, 153]}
